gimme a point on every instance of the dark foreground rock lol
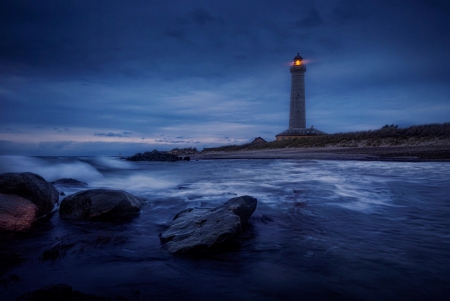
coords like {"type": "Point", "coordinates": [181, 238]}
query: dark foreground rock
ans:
{"type": "Point", "coordinates": [61, 292]}
{"type": "Point", "coordinates": [17, 214]}
{"type": "Point", "coordinates": [103, 204]}
{"type": "Point", "coordinates": [197, 230]}
{"type": "Point", "coordinates": [154, 156]}
{"type": "Point", "coordinates": [69, 182]}
{"type": "Point", "coordinates": [32, 187]}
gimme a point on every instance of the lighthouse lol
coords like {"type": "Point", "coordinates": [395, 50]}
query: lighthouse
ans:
{"type": "Point", "coordinates": [297, 112]}
{"type": "Point", "coordinates": [297, 109]}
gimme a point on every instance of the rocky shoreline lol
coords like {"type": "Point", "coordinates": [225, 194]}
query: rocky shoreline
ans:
{"type": "Point", "coordinates": [27, 197]}
{"type": "Point", "coordinates": [422, 153]}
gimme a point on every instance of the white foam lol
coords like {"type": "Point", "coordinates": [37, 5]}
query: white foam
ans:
{"type": "Point", "coordinates": [50, 171]}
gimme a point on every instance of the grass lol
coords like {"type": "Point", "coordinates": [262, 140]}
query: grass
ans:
{"type": "Point", "coordinates": [388, 135]}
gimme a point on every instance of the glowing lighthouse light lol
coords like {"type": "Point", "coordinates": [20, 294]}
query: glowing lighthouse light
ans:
{"type": "Point", "coordinates": [298, 60]}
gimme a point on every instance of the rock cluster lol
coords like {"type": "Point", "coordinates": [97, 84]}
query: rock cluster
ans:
{"type": "Point", "coordinates": [154, 156]}
{"type": "Point", "coordinates": [94, 204]}
{"type": "Point", "coordinates": [27, 196]}
{"type": "Point", "coordinates": [23, 198]}
{"type": "Point", "coordinates": [197, 230]}
{"type": "Point", "coordinates": [184, 151]}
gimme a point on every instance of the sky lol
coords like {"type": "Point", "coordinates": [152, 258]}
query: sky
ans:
{"type": "Point", "coordinates": [112, 77]}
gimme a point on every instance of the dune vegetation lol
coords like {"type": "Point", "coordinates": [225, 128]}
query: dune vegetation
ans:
{"type": "Point", "coordinates": [388, 135]}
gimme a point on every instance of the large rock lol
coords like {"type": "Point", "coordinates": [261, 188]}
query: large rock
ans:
{"type": "Point", "coordinates": [17, 214]}
{"type": "Point", "coordinates": [99, 204]}
{"type": "Point", "coordinates": [61, 292]}
{"type": "Point", "coordinates": [154, 156]}
{"type": "Point", "coordinates": [32, 187]}
{"type": "Point", "coordinates": [197, 230]}
{"type": "Point", "coordinates": [69, 182]}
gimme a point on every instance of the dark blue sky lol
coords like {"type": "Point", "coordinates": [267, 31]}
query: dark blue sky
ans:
{"type": "Point", "coordinates": [108, 77]}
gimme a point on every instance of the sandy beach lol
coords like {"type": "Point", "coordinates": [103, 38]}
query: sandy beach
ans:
{"type": "Point", "coordinates": [386, 153]}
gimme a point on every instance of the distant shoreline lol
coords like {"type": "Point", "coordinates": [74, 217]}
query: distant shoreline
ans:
{"type": "Point", "coordinates": [430, 153]}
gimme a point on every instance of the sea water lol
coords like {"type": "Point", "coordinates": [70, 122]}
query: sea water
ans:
{"type": "Point", "coordinates": [323, 230]}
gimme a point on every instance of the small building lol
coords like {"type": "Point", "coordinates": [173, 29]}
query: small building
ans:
{"type": "Point", "coordinates": [258, 140]}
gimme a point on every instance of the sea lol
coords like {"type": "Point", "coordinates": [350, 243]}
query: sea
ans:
{"type": "Point", "coordinates": [322, 230]}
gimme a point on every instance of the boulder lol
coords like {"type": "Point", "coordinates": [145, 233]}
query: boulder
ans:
{"type": "Point", "coordinates": [60, 292]}
{"type": "Point", "coordinates": [17, 214]}
{"type": "Point", "coordinates": [198, 230]}
{"type": "Point", "coordinates": [154, 156]}
{"type": "Point", "coordinates": [102, 204]}
{"type": "Point", "coordinates": [32, 187]}
{"type": "Point", "coordinates": [69, 182]}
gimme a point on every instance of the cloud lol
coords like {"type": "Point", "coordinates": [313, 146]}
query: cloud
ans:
{"type": "Point", "coordinates": [111, 134]}
{"type": "Point", "coordinates": [172, 141]}
{"type": "Point", "coordinates": [313, 19]}
{"type": "Point", "coordinates": [202, 17]}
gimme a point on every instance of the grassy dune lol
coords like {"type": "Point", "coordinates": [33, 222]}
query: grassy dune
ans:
{"type": "Point", "coordinates": [388, 135]}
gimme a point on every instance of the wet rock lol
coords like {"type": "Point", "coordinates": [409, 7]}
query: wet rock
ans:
{"type": "Point", "coordinates": [154, 156]}
{"type": "Point", "coordinates": [103, 204]}
{"type": "Point", "coordinates": [69, 182]}
{"type": "Point", "coordinates": [17, 214]}
{"type": "Point", "coordinates": [32, 187]}
{"type": "Point", "coordinates": [60, 292]}
{"type": "Point", "coordinates": [197, 230]}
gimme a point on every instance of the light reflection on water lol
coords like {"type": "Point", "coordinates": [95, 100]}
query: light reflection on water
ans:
{"type": "Point", "coordinates": [323, 230]}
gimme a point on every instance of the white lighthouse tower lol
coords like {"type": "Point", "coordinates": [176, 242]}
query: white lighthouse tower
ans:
{"type": "Point", "coordinates": [297, 110]}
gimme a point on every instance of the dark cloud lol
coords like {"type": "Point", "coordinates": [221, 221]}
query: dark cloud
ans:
{"type": "Point", "coordinates": [203, 17]}
{"type": "Point", "coordinates": [313, 19]}
{"type": "Point", "coordinates": [347, 10]}
{"type": "Point", "coordinates": [441, 5]}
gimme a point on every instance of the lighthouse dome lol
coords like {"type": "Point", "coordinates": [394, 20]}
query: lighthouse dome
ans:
{"type": "Point", "coordinates": [298, 57]}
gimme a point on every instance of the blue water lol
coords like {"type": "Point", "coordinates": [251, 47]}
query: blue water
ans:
{"type": "Point", "coordinates": [323, 230]}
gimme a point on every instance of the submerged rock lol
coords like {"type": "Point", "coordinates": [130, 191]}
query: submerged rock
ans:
{"type": "Point", "coordinates": [99, 204]}
{"type": "Point", "coordinates": [196, 230]}
{"type": "Point", "coordinates": [154, 156]}
{"type": "Point", "coordinates": [32, 187]}
{"type": "Point", "coordinates": [17, 214]}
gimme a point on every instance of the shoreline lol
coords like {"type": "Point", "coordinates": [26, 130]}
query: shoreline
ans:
{"type": "Point", "coordinates": [422, 153]}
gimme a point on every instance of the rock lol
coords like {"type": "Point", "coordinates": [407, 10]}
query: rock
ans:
{"type": "Point", "coordinates": [187, 158]}
{"type": "Point", "coordinates": [154, 156]}
{"type": "Point", "coordinates": [17, 214]}
{"type": "Point", "coordinates": [197, 230]}
{"type": "Point", "coordinates": [99, 204]}
{"type": "Point", "coordinates": [69, 182]}
{"type": "Point", "coordinates": [32, 187]}
{"type": "Point", "coordinates": [60, 292]}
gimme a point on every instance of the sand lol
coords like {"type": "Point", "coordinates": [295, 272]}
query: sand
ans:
{"type": "Point", "coordinates": [439, 153]}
